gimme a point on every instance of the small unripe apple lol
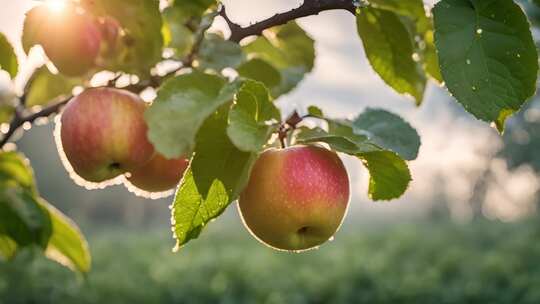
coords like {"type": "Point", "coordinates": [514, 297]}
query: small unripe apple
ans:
{"type": "Point", "coordinates": [296, 197]}
{"type": "Point", "coordinates": [71, 39]}
{"type": "Point", "coordinates": [103, 134]}
{"type": "Point", "coordinates": [159, 174]}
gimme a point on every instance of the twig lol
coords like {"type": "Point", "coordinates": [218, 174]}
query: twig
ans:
{"type": "Point", "coordinates": [19, 120]}
{"type": "Point", "coordinates": [308, 8]}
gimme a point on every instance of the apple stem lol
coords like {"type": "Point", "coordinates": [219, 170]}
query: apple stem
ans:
{"type": "Point", "coordinates": [282, 134]}
{"type": "Point", "coordinates": [287, 126]}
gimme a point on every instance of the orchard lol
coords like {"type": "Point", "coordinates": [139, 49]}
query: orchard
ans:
{"type": "Point", "coordinates": [211, 133]}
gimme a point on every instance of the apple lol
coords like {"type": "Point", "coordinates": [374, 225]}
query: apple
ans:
{"type": "Point", "coordinates": [71, 38]}
{"type": "Point", "coordinates": [103, 134]}
{"type": "Point", "coordinates": [296, 198]}
{"type": "Point", "coordinates": [159, 174]}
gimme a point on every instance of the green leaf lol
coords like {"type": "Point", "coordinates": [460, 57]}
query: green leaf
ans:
{"type": "Point", "coordinates": [390, 50]}
{"type": "Point", "coordinates": [251, 117]}
{"type": "Point", "coordinates": [142, 23]}
{"type": "Point", "coordinates": [289, 49]}
{"type": "Point", "coordinates": [218, 173]}
{"type": "Point", "coordinates": [67, 244]}
{"type": "Point", "coordinates": [342, 141]}
{"type": "Point", "coordinates": [389, 174]}
{"type": "Point", "coordinates": [389, 131]}
{"type": "Point", "coordinates": [8, 247]}
{"type": "Point", "coordinates": [22, 218]}
{"type": "Point", "coordinates": [8, 59]}
{"type": "Point", "coordinates": [182, 105]}
{"type": "Point", "coordinates": [26, 219]}
{"type": "Point", "coordinates": [15, 171]}
{"type": "Point", "coordinates": [487, 55]}
{"type": "Point", "coordinates": [176, 34]}
{"type": "Point", "coordinates": [414, 9]}
{"type": "Point", "coordinates": [6, 112]}
{"type": "Point", "coordinates": [193, 8]}
{"type": "Point", "coordinates": [217, 53]}
{"type": "Point", "coordinates": [315, 111]}
{"type": "Point", "coordinates": [46, 87]}
{"type": "Point", "coordinates": [413, 14]}
{"type": "Point", "coordinates": [260, 70]}
{"type": "Point", "coordinates": [180, 21]}
{"type": "Point", "coordinates": [431, 59]}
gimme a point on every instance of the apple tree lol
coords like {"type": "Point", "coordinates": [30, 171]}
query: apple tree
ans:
{"type": "Point", "coordinates": [212, 133]}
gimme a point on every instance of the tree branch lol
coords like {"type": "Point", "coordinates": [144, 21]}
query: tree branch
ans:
{"type": "Point", "coordinates": [19, 120]}
{"type": "Point", "coordinates": [308, 8]}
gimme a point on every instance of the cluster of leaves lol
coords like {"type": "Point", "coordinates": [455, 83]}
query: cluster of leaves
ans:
{"type": "Point", "coordinates": [219, 108]}
{"type": "Point", "coordinates": [234, 123]}
{"type": "Point", "coordinates": [27, 220]}
{"type": "Point", "coordinates": [483, 51]}
{"type": "Point", "coordinates": [227, 124]}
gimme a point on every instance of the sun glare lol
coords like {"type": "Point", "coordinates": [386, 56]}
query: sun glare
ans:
{"type": "Point", "coordinates": [56, 6]}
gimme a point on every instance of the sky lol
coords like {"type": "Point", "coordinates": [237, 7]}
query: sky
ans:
{"type": "Point", "coordinates": [455, 147]}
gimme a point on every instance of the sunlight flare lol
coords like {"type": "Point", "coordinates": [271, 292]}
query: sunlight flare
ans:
{"type": "Point", "coordinates": [56, 6]}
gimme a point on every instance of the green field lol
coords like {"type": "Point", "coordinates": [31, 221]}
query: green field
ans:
{"type": "Point", "coordinates": [405, 263]}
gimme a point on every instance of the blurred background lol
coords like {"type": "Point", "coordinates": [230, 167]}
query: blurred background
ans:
{"type": "Point", "coordinates": [466, 231]}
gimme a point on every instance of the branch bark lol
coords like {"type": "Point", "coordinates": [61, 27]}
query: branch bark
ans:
{"type": "Point", "coordinates": [308, 8]}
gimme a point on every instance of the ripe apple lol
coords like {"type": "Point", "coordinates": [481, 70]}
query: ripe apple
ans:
{"type": "Point", "coordinates": [159, 174]}
{"type": "Point", "coordinates": [296, 197]}
{"type": "Point", "coordinates": [103, 134]}
{"type": "Point", "coordinates": [71, 38]}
